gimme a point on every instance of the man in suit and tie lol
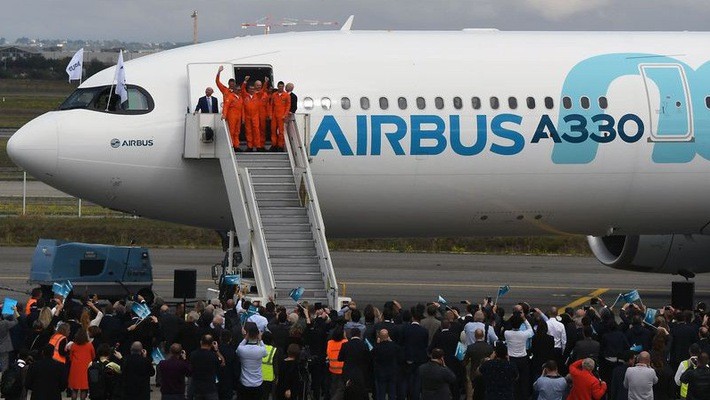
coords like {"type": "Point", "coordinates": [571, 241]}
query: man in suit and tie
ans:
{"type": "Point", "coordinates": [415, 340]}
{"type": "Point", "coordinates": [207, 103]}
{"type": "Point", "coordinates": [356, 357]}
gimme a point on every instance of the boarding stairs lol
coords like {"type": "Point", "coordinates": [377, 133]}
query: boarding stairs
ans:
{"type": "Point", "coordinates": [277, 217]}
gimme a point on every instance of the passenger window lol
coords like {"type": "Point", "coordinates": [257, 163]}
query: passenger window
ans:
{"type": "Point", "coordinates": [566, 103]}
{"type": "Point", "coordinates": [402, 103]}
{"type": "Point", "coordinates": [458, 103]}
{"type": "Point", "coordinates": [384, 104]}
{"type": "Point", "coordinates": [512, 103]}
{"type": "Point", "coordinates": [495, 103]}
{"type": "Point", "coordinates": [325, 103]}
{"type": "Point", "coordinates": [603, 103]}
{"type": "Point", "coordinates": [308, 103]}
{"type": "Point", "coordinates": [549, 103]}
{"type": "Point", "coordinates": [364, 103]}
{"type": "Point", "coordinates": [530, 102]}
{"type": "Point", "coordinates": [584, 102]}
{"type": "Point", "coordinates": [421, 103]}
{"type": "Point", "coordinates": [438, 103]}
{"type": "Point", "coordinates": [345, 103]}
{"type": "Point", "coordinates": [476, 103]}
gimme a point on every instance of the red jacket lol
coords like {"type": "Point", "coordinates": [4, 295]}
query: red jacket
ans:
{"type": "Point", "coordinates": [585, 386]}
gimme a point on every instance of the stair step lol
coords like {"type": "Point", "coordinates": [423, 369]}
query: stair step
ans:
{"type": "Point", "coordinates": [291, 251]}
{"type": "Point", "coordinates": [274, 186]}
{"type": "Point", "coordinates": [297, 244]}
{"type": "Point", "coordinates": [296, 269]}
{"type": "Point", "coordinates": [276, 211]}
{"type": "Point", "coordinates": [274, 220]}
{"type": "Point", "coordinates": [264, 164]}
{"type": "Point", "coordinates": [307, 276]}
{"type": "Point", "coordinates": [293, 260]}
{"type": "Point", "coordinates": [271, 236]}
{"type": "Point", "coordinates": [277, 195]}
{"type": "Point", "coordinates": [288, 228]}
{"type": "Point", "coordinates": [312, 285]}
{"type": "Point", "coordinates": [272, 179]}
{"type": "Point", "coordinates": [279, 203]}
{"type": "Point", "coordinates": [262, 156]}
{"type": "Point", "coordinates": [261, 171]}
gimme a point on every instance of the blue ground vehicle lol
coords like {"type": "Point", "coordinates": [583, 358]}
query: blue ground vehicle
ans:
{"type": "Point", "coordinates": [111, 272]}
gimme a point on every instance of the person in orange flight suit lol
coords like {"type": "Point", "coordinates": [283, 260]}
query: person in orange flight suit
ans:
{"type": "Point", "coordinates": [225, 89]}
{"type": "Point", "coordinates": [263, 96]}
{"type": "Point", "coordinates": [232, 112]}
{"type": "Point", "coordinates": [251, 120]}
{"type": "Point", "coordinates": [280, 108]}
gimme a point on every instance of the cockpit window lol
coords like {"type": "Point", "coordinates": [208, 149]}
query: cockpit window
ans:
{"type": "Point", "coordinates": [97, 99]}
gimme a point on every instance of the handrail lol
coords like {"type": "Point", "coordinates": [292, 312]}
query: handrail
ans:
{"type": "Point", "coordinates": [242, 220]}
{"type": "Point", "coordinates": [303, 175]}
{"type": "Point", "coordinates": [261, 250]}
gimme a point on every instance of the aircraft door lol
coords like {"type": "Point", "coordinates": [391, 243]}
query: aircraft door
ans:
{"type": "Point", "coordinates": [201, 76]}
{"type": "Point", "coordinates": [668, 101]}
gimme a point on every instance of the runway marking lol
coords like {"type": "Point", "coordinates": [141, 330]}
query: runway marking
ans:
{"type": "Point", "coordinates": [583, 299]}
{"type": "Point", "coordinates": [495, 286]}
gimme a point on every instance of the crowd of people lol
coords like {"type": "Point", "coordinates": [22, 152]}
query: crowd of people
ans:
{"type": "Point", "coordinates": [235, 348]}
{"type": "Point", "coordinates": [254, 106]}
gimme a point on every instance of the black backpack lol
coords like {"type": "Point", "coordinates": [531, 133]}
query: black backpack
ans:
{"type": "Point", "coordinates": [98, 385]}
{"type": "Point", "coordinates": [11, 382]}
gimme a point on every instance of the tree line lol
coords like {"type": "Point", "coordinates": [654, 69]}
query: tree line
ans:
{"type": "Point", "coordinates": [37, 66]}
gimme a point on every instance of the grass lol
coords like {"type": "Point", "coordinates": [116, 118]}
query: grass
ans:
{"type": "Point", "coordinates": [25, 231]}
{"type": "Point", "coordinates": [23, 100]}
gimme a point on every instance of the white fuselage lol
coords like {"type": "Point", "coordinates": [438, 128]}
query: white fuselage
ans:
{"type": "Point", "coordinates": [515, 184]}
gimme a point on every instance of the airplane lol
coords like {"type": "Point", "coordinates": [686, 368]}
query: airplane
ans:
{"type": "Point", "coordinates": [453, 133]}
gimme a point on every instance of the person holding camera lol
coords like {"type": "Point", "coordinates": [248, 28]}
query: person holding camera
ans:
{"type": "Point", "coordinates": [640, 378]}
{"type": "Point", "coordinates": [251, 351]}
{"type": "Point", "coordinates": [550, 385]}
{"type": "Point", "coordinates": [586, 385]}
{"type": "Point", "coordinates": [173, 372]}
{"type": "Point", "coordinates": [698, 378]}
{"type": "Point", "coordinates": [685, 365]}
{"type": "Point", "coordinates": [136, 371]}
{"type": "Point", "coordinates": [205, 363]}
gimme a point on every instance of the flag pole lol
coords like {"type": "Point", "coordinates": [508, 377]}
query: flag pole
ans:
{"type": "Point", "coordinates": [115, 74]}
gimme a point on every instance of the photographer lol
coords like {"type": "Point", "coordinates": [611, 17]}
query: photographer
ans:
{"type": "Point", "coordinates": [173, 372]}
{"type": "Point", "coordinates": [251, 351]}
{"type": "Point", "coordinates": [550, 385]}
{"type": "Point", "coordinates": [685, 365]}
{"type": "Point", "coordinates": [698, 378]}
{"type": "Point", "coordinates": [205, 363]}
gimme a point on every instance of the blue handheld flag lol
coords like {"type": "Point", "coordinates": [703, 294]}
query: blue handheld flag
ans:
{"type": "Point", "coordinates": [503, 290]}
{"type": "Point", "coordinates": [631, 296]}
{"type": "Point", "coordinates": [296, 294]}
{"type": "Point", "coordinates": [157, 356]}
{"type": "Point", "coordinates": [650, 317]}
{"type": "Point", "coordinates": [7, 306]}
{"type": "Point", "coordinates": [441, 300]}
{"type": "Point", "coordinates": [232, 280]}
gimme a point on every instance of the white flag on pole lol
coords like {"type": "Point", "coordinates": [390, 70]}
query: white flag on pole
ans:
{"type": "Point", "coordinates": [76, 65]}
{"type": "Point", "coordinates": [121, 88]}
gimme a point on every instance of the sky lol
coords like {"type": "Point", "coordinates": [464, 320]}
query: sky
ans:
{"type": "Point", "coordinates": [169, 20]}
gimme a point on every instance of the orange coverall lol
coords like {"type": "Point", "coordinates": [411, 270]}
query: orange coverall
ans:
{"type": "Point", "coordinates": [280, 107]}
{"type": "Point", "coordinates": [220, 86]}
{"type": "Point", "coordinates": [232, 112]}
{"type": "Point", "coordinates": [264, 111]}
{"type": "Point", "coordinates": [251, 121]}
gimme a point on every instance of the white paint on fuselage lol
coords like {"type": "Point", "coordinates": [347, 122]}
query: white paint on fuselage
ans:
{"type": "Point", "coordinates": [388, 195]}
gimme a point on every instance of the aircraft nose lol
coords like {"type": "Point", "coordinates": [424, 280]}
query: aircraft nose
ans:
{"type": "Point", "coordinates": [34, 147]}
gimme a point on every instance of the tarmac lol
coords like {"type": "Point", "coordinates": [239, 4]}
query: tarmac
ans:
{"type": "Point", "coordinates": [376, 277]}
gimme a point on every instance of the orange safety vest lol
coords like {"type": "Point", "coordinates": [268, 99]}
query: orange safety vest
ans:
{"type": "Point", "coordinates": [28, 306]}
{"type": "Point", "coordinates": [333, 350]}
{"type": "Point", "coordinates": [54, 341]}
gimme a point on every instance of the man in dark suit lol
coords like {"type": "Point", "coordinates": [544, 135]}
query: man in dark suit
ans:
{"type": "Point", "coordinates": [136, 371]}
{"type": "Point", "coordinates": [207, 103]}
{"type": "Point", "coordinates": [356, 357]}
{"type": "Point", "coordinates": [475, 354]}
{"type": "Point", "coordinates": [46, 378]}
{"type": "Point", "coordinates": [415, 340]}
{"type": "Point", "coordinates": [386, 358]}
{"type": "Point", "coordinates": [294, 98]}
{"type": "Point", "coordinates": [436, 378]}
{"type": "Point", "coordinates": [448, 340]}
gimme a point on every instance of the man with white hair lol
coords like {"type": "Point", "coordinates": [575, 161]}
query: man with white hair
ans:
{"type": "Point", "coordinates": [640, 378]}
{"type": "Point", "coordinates": [585, 385]}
